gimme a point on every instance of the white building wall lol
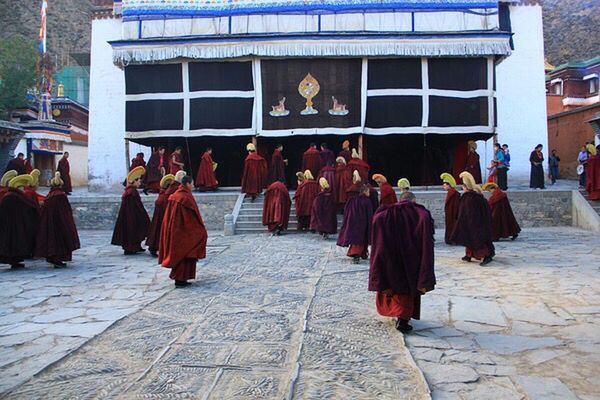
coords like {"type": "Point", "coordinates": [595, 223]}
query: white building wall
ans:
{"type": "Point", "coordinates": [78, 160]}
{"type": "Point", "coordinates": [521, 92]}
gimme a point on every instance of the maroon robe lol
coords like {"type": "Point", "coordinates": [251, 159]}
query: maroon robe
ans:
{"type": "Point", "coordinates": [327, 158]}
{"type": "Point", "coordinates": [132, 222]}
{"type": "Point", "coordinates": [328, 172]}
{"type": "Point", "coordinates": [206, 179]}
{"type": "Point", "coordinates": [388, 194]}
{"type": "Point", "coordinates": [33, 195]}
{"type": "Point", "coordinates": [347, 154]}
{"type": "Point", "coordinates": [451, 212]}
{"type": "Point", "coordinates": [303, 201]}
{"type": "Point", "coordinates": [473, 167]}
{"type": "Point", "coordinates": [18, 165]}
{"type": "Point", "coordinates": [474, 226]}
{"type": "Point", "coordinates": [65, 174]}
{"type": "Point", "coordinates": [57, 236]}
{"type": "Point", "coordinates": [174, 168]}
{"type": "Point", "coordinates": [323, 218]}
{"type": "Point", "coordinates": [3, 191]}
{"type": "Point", "coordinates": [19, 221]}
{"type": "Point", "coordinates": [504, 223]}
{"type": "Point", "coordinates": [172, 189]}
{"type": "Point", "coordinates": [254, 178]}
{"type": "Point", "coordinates": [343, 180]}
{"type": "Point", "coordinates": [183, 236]}
{"type": "Point", "coordinates": [311, 160]}
{"type": "Point", "coordinates": [138, 161]}
{"type": "Point", "coordinates": [592, 185]}
{"type": "Point", "coordinates": [276, 208]}
{"type": "Point", "coordinates": [356, 164]}
{"type": "Point", "coordinates": [160, 205]}
{"type": "Point", "coordinates": [277, 168]}
{"type": "Point", "coordinates": [356, 226]}
{"type": "Point", "coordinates": [153, 173]}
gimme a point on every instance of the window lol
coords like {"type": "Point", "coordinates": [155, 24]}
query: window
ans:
{"type": "Point", "coordinates": [593, 85]}
{"type": "Point", "coordinates": [557, 89]}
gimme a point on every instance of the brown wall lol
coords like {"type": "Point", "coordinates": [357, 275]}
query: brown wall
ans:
{"type": "Point", "coordinates": [554, 104]}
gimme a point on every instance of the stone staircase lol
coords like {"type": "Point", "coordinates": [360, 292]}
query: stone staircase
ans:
{"type": "Point", "coordinates": [594, 203]}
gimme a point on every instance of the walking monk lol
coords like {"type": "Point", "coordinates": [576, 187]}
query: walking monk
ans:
{"type": "Point", "coordinates": [277, 169]}
{"type": "Point", "coordinates": [402, 260]}
{"type": "Point", "coordinates": [155, 170]}
{"type": "Point", "coordinates": [345, 152]}
{"type": "Point", "coordinates": [311, 160]}
{"type": "Point", "coordinates": [206, 179]}
{"type": "Point", "coordinates": [356, 227]}
{"type": "Point", "coordinates": [132, 223]}
{"type": "Point", "coordinates": [8, 175]}
{"type": "Point", "coordinates": [504, 223]}
{"type": "Point", "coordinates": [303, 200]}
{"type": "Point", "coordinates": [323, 218]}
{"type": "Point", "coordinates": [57, 236]}
{"type": "Point", "coordinates": [343, 180]}
{"type": "Point", "coordinates": [327, 156]}
{"type": "Point", "coordinates": [160, 205]}
{"type": "Point", "coordinates": [592, 185]}
{"type": "Point", "coordinates": [65, 173]}
{"type": "Point", "coordinates": [387, 192]}
{"type": "Point", "coordinates": [451, 205]}
{"type": "Point", "coordinates": [183, 236]}
{"type": "Point", "coordinates": [138, 161]}
{"type": "Point", "coordinates": [254, 178]}
{"type": "Point", "coordinates": [276, 208]}
{"type": "Point", "coordinates": [176, 164]}
{"type": "Point", "coordinates": [357, 164]}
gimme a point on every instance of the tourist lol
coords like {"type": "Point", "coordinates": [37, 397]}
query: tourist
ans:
{"type": "Point", "coordinates": [492, 171]}
{"type": "Point", "coordinates": [183, 236]}
{"type": "Point", "coordinates": [593, 173]}
{"type": "Point", "coordinates": [8, 175]}
{"type": "Point", "coordinates": [176, 163]}
{"type": "Point", "coordinates": [276, 208]}
{"type": "Point", "coordinates": [343, 181]}
{"type": "Point", "coordinates": [536, 180]}
{"type": "Point", "coordinates": [582, 158]}
{"type": "Point", "coordinates": [355, 232]}
{"type": "Point", "coordinates": [31, 190]}
{"type": "Point", "coordinates": [472, 165]}
{"type": "Point", "coordinates": [311, 160]}
{"type": "Point", "coordinates": [65, 173]}
{"type": "Point", "coordinates": [451, 205]}
{"type": "Point", "coordinates": [206, 179]}
{"type": "Point", "coordinates": [160, 205]}
{"type": "Point", "coordinates": [553, 161]}
{"type": "Point", "coordinates": [358, 164]}
{"type": "Point", "coordinates": [323, 217]}
{"type": "Point", "coordinates": [277, 168]}
{"type": "Point", "coordinates": [19, 221]}
{"type": "Point", "coordinates": [387, 193]}
{"type": "Point", "coordinates": [138, 161]}
{"type": "Point", "coordinates": [254, 177]}
{"type": "Point", "coordinates": [131, 227]}
{"type": "Point", "coordinates": [327, 156]}
{"type": "Point", "coordinates": [17, 164]}
{"type": "Point", "coordinates": [155, 170]}
{"type": "Point", "coordinates": [57, 236]}
{"type": "Point", "coordinates": [501, 169]}
{"type": "Point", "coordinates": [504, 223]}
{"type": "Point", "coordinates": [345, 152]}
{"type": "Point", "coordinates": [474, 223]}
{"type": "Point", "coordinates": [506, 156]}
{"type": "Point", "coordinates": [303, 200]}
{"type": "Point", "coordinates": [402, 261]}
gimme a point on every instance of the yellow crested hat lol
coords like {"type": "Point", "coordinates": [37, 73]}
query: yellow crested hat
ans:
{"type": "Point", "coordinates": [468, 180]}
{"type": "Point", "coordinates": [179, 175]}
{"type": "Point", "coordinates": [8, 175]}
{"type": "Point", "coordinates": [166, 180]}
{"type": "Point", "coordinates": [35, 174]}
{"type": "Point", "coordinates": [403, 183]}
{"type": "Point", "coordinates": [250, 147]}
{"type": "Point", "coordinates": [448, 178]}
{"type": "Point", "coordinates": [308, 174]}
{"type": "Point", "coordinates": [300, 176]}
{"type": "Point", "coordinates": [323, 183]}
{"type": "Point", "coordinates": [356, 177]}
{"type": "Point", "coordinates": [56, 181]}
{"type": "Point", "coordinates": [355, 154]}
{"type": "Point", "coordinates": [379, 178]}
{"type": "Point", "coordinates": [591, 149]}
{"type": "Point", "coordinates": [489, 186]}
{"type": "Point", "coordinates": [20, 181]}
{"type": "Point", "coordinates": [340, 160]}
{"type": "Point", "coordinates": [135, 174]}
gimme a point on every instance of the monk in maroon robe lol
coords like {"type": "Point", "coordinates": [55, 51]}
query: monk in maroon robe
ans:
{"type": "Point", "coordinates": [206, 179]}
{"type": "Point", "coordinates": [176, 164]}
{"type": "Point", "coordinates": [311, 160]}
{"type": "Point", "coordinates": [343, 180]}
{"type": "Point", "coordinates": [474, 223]}
{"type": "Point", "coordinates": [450, 206]}
{"type": "Point", "coordinates": [174, 185]}
{"type": "Point", "coordinates": [131, 227]}
{"type": "Point", "coordinates": [592, 185]}
{"type": "Point", "coordinates": [387, 192]}
{"type": "Point", "coordinates": [355, 232]}
{"type": "Point", "coordinates": [357, 164]}
{"type": "Point", "coordinates": [402, 260]}
{"type": "Point", "coordinates": [276, 208]}
{"type": "Point", "coordinates": [17, 164]}
{"type": "Point", "coordinates": [323, 218]}
{"type": "Point", "coordinates": [57, 236]}
{"type": "Point", "coordinates": [155, 169]}
{"type": "Point", "coordinates": [138, 161]}
{"type": "Point", "coordinates": [160, 205]}
{"type": "Point", "coordinates": [183, 236]}
{"type": "Point", "coordinates": [345, 152]}
{"type": "Point", "coordinates": [254, 178]}
{"type": "Point", "coordinates": [277, 168]}
{"type": "Point", "coordinates": [328, 172]}
{"type": "Point", "coordinates": [303, 200]}
{"type": "Point", "coordinates": [504, 223]}
{"type": "Point", "coordinates": [65, 173]}
{"type": "Point", "coordinates": [19, 221]}
{"type": "Point", "coordinates": [472, 165]}
{"type": "Point", "coordinates": [327, 156]}
{"type": "Point", "coordinates": [8, 175]}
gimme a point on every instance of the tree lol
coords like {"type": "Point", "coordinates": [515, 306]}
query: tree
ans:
{"type": "Point", "coordinates": [18, 57]}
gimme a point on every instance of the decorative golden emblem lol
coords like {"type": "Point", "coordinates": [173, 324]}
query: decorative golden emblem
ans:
{"type": "Point", "coordinates": [309, 88]}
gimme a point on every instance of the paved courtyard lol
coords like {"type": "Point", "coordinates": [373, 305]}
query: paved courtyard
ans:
{"type": "Point", "coordinates": [290, 317]}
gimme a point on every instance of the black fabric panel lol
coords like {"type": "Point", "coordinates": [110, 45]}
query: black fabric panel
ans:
{"type": "Point", "coordinates": [338, 78]}
{"type": "Point", "coordinates": [450, 111]}
{"type": "Point", "coordinates": [149, 115]}
{"type": "Point", "coordinates": [458, 73]}
{"type": "Point", "coordinates": [399, 73]}
{"type": "Point", "coordinates": [394, 111]}
{"type": "Point", "coordinates": [221, 113]}
{"type": "Point", "coordinates": [153, 78]}
{"type": "Point", "coordinates": [221, 76]}
{"type": "Point", "coordinates": [504, 18]}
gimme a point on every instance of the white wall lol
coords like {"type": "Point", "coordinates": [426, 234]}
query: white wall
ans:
{"type": "Point", "coordinates": [78, 160]}
{"type": "Point", "coordinates": [521, 92]}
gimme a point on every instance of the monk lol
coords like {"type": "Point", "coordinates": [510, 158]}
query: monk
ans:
{"type": "Point", "coordinates": [357, 164]}
{"type": "Point", "coordinates": [299, 178]}
{"type": "Point", "coordinates": [183, 235]}
{"type": "Point", "coordinates": [8, 175]}
{"type": "Point", "coordinates": [592, 185]}
{"type": "Point", "coordinates": [343, 180]}
{"type": "Point", "coordinates": [65, 173]}
{"type": "Point", "coordinates": [345, 152]}
{"type": "Point", "coordinates": [311, 160]}
{"type": "Point", "coordinates": [303, 200]}
{"type": "Point", "coordinates": [138, 161]}
{"type": "Point", "coordinates": [155, 170]}
{"type": "Point", "coordinates": [451, 205]}
{"type": "Point", "coordinates": [356, 227]}
{"type": "Point", "coordinates": [176, 163]}
{"type": "Point", "coordinates": [206, 179]}
{"type": "Point", "coordinates": [328, 172]}
{"type": "Point", "coordinates": [174, 185]}
{"type": "Point", "coordinates": [160, 205]}
{"type": "Point", "coordinates": [504, 223]}
{"type": "Point", "coordinates": [57, 236]}
{"type": "Point", "coordinates": [276, 208]}
{"type": "Point", "coordinates": [402, 261]}
{"type": "Point", "coordinates": [278, 163]}
{"type": "Point", "coordinates": [254, 178]}
{"type": "Point", "coordinates": [354, 189]}
{"type": "Point", "coordinates": [19, 221]}
{"type": "Point", "coordinates": [403, 185]}
{"type": "Point", "coordinates": [131, 227]}
{"type": "Point", "coordinates": [17, 164]}
{"type": "Point", "coordinates": [387, 192]}
{"type": "Point", "coordinates": [31, 191]}
{"type": "Point", "coordinates": [472, 165]}
{"type": "Point", "coordinates": [474, 223]}
{"type": "Point", "coordinates": [323, 218]}
{"type": "Point", "coordinates": [327, 156]}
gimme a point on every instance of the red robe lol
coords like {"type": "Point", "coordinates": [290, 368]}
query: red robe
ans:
{"type": "Point", "coordinates": [328, 172]}
{"type": "Point", "coordinates": [57, 236]}
{"type": "Point", "coordinates": [132, 222]}
{"type": "Point", "coordinates": [254, 178]}
{"type": "Point", "coordinates": [18, 165]}
{"type": "Point", "coordinates": [277, 168]}
{"type": "Point", "coordinates": [474, 226]}
{"type": "Point", "coordinates": [451, 212]}
{"type": "Point", "coordinates": [472, 166]}
{"type": "Point", "coordinates": [592, 185]}
{"type": "Point", "coordinates": [343, 180]}
{"type": "Point", "coordinates": [153, 173]}
{"type": "Point", "coordinates": [172, 189]}
{"type": "Point", "coordinates": [356, 164]}
{"type": "Point", "coordinates": [174, 168]}
{"type": "Point", "coordinates": [311, 160]}
{"type": "Point", "coordinates": [33, 195]}
{"type": "Point", "coordinates": [504, 223]}
{"type": "Point", "coordinates": [347, 154]}
{"type": "Point", "coordinates": [303, 201]}
{"type": "Point", "coordinates": [160, 205]}
{"type": "Point", "coordinates": [3, 191]}
{"type": "Point", "coordinates": [206, 178]}
{"type": "Point", "coordinates": [65, 174]}
{"type": "Point", "coordinates": [19, 220]}
{"type": "Point", "coordinates": [276, 208]}
{"type": "Point", "coordinates": [387, 193]}
{"type": "Point", "coordinates": [323, 218]}
{"type": "Point", "coordinates": [183, 236]}
{"type": "Point", "coordinates": [137, 162]}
